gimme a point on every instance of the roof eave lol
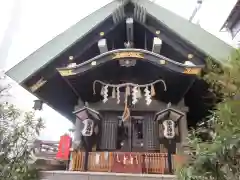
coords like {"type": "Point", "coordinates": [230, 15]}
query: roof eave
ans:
{"type": "Point", "coordinates": [48, 52]}
{"type": "Point", "coordinates": [197, 37]}
{"type": "Point", "coordinates": [190, 32]}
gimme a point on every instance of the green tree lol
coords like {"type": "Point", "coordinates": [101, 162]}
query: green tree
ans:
{"type": "Point", "coordinates": [17, 132]}
{"type": "Point", "coordinates": [218, 157]}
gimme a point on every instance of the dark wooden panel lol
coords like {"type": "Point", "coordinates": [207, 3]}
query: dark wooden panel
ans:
{"type": "Point", "coordinates": [151, 133]}
{"type": "Point", "coordinates": [109, 131]}
{"type": "Point", "coordinates": [137, 139]}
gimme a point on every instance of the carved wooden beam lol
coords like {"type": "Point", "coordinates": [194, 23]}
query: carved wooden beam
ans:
{"type": "Point", "coordinates": [138, 54]}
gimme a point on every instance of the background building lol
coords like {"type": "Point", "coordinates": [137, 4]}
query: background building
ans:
{"type": "Point", "coordinates": [221, 18]}
{"type": "Point", "coordinates": [232, 24]}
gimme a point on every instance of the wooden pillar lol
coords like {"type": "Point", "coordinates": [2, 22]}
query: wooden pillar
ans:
{"type": "Point", "coordinates": [78, 127]}
{"type": "Point", "coordinates": [85, 167]}
{"type": "Point", "coordinates": [183, 129]}
{"type": "Point", "coordinates": [77, 133]}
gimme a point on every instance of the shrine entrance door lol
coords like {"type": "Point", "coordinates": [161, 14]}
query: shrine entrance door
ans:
{"type": "Point", "coordinates": [138, 133]}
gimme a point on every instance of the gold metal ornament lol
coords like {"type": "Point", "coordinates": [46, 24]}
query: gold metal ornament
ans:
{"type": "Point", "coordinates": [192, 70]}
{"type": "Point", "coordinates": [65, 72]}
{"type": "Point", "coordinates": [190, 56]}
{"type": "Point", "coordinates": [38, 85]}
{"type": "Point", "coordinates": [128, 54]}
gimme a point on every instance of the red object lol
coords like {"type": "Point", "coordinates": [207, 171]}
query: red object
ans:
{"type": "Point", "coordinates": [64, 147]}
{"type": "Point", "coordinates": [125, 162]}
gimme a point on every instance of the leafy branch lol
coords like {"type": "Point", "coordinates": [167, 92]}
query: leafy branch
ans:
{"type": "Point", "coordinates": [219, 157]}
{"type": "Point", "coordinates": [17, 132]}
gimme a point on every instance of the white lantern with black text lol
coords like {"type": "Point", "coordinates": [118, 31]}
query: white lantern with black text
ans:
{"type": "Point", "coordinates": [86, 122]}
{"type": "Point", "coordinates": [169, 129]}
{"type": "Point", "coordinates": [88, 127]}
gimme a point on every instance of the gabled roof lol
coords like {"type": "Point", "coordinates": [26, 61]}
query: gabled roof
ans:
{"type": "Point", "coordinates": [201, 39]}
{"type": "Point", "coordinates": [193, 34]}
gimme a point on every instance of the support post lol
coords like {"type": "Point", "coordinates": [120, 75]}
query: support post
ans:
{"type": "Point", "coordinates": [170, 156]}
{"type": "Point", "coordinates": [88, 144]}
{"type": "Point", "coordinates": [157, 44]}
{"type": "Point", "coordinates": [184, 129]}
{"type": "Point", "coordinates": [129, 29]}
{"type": "Point", "coordinates": [86, 160]}
{"type": "Point", "coordinates": [102, 46]}
{"type": "Point", "coordinates": [78, 125]}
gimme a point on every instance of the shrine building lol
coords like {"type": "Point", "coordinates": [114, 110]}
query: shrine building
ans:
{"type": "Point", "coordinates": [127, 77]}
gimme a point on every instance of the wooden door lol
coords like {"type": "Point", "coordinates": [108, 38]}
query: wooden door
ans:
{"type": "Point", "coordinates": [138, 134]}
{"type": "Point", "coordinates": [109, 131]}
{"type": "Point", "coordinates": [151, 138]}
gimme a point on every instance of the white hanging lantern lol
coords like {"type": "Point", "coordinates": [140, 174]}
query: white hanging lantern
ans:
{"type": "Point", "coordinates": [88, 127]}
{"type": "Point", "coordinates": [169, 129]}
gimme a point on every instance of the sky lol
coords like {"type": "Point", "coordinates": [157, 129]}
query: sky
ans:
{"type": "Point", "coordinates": [26, 25]}
{"type": "Point", "coordinates": [212, 16]}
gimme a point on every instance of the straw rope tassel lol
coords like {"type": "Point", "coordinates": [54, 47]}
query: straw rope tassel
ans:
{"type": "Point", "coordinates": [102, 91]}
{"type": "Point", "coordinates": [126, 112]}
{"type": "Point", "coordinates": [128, 91]}
{"type": "Point", "coordinates": [153, 92]}
{"type": "Point", "coordinates": [113, 92]}
{"type": "Point", "coordinates": [139, 93]}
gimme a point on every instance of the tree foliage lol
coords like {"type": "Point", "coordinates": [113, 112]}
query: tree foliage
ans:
{"type": "Point", "coordinates": [17, 132]}
{"type": "Point", "coordinates": [218, 158]}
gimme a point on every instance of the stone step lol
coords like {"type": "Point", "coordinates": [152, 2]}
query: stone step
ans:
{"type": "Point", "coordinates": [73, 175]}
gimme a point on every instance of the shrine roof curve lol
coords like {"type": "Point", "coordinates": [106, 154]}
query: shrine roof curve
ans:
{"type": "Point", "coordinates": [192, 33]}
